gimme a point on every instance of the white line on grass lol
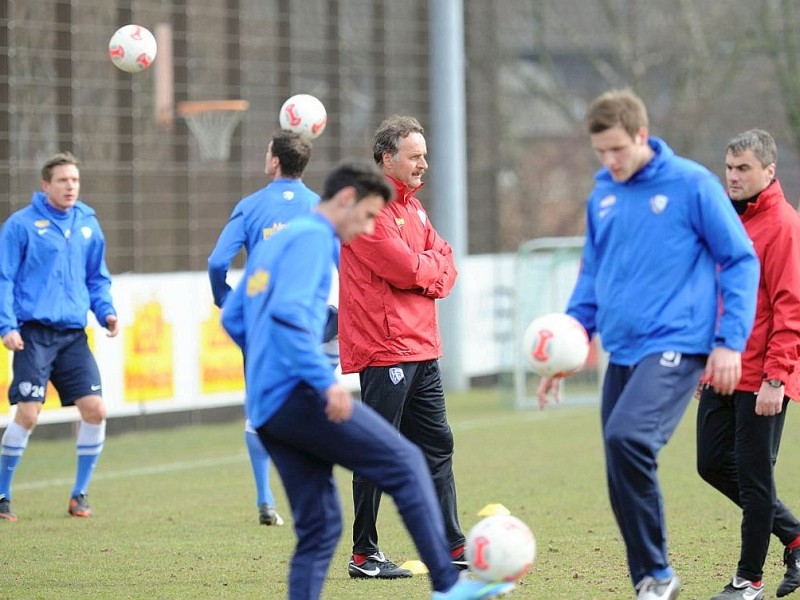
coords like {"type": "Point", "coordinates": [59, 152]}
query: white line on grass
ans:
{"type": "Point", "coordinates": [515, 417]}
{"type": "Point", "coordinates": [153, 470]}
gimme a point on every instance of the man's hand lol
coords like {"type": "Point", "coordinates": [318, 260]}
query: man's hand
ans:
{"type": "Point", "coordinates": [769, 401]}
{"type": "Point", "coordinates": [112, 325]}
{"type": "Point", "coordinates": [340, 403]}
{"type": "Point", "coordinates": [548, 387]}
{"type": "Point", "coordinates": [723, 370]}
{"type": "Point", "coordinates": [13, 341]}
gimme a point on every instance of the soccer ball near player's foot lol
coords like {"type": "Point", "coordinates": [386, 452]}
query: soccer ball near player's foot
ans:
{"type": "Point", "coordinates": [555, 345]}
{"type": "Point", "coordinates": [500, 548]}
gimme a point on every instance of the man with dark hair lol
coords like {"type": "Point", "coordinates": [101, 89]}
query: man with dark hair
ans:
{"type": "Point", "coordinates": [655, 308]}
{"type": "Point", "coordinates": [306, 419]}
{"type": "Point", "coordinates": [52, 272]}
{"type": "Point", "coordinates": [389, 335]}
{"type": "Point", "coordinates": [738, 435]}
{"type": "Point", "coordinates": [254, 219]}
{"type": "Point", "coordinates": [260, 214]}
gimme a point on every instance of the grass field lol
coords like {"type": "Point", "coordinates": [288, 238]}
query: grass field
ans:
{"type": "Point", "coordinates": [175, 514]}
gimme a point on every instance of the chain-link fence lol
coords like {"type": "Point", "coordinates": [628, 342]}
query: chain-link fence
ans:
{"type": "Point", "coordinates": [161, 206]}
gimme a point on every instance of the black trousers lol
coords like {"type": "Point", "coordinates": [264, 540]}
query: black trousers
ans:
{"type": "Point", "coordinates": [411, 397]}
{"type": "Point", "coordinates": [736, 453]}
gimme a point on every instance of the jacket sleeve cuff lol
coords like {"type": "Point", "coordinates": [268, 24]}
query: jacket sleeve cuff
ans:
{"type": "Point", "coordinates": [730, 342]}
{"type": "Point", "coordinates": [775, 373]}
{"type": "Point", "coordinates": [324, 383]}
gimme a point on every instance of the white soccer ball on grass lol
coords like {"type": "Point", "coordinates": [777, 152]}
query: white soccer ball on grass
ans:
{"type": "Point", "coordinates": [500, 548]}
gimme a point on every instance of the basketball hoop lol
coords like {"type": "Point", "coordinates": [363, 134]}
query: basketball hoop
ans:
{"type": "Point", "coordinates": [213, 122]}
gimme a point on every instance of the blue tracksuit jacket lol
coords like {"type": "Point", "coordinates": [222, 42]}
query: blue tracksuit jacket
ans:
{"type": "Point", "coordinates": [253, 219]}
{"type": "Point", "coordinates": [278, 318]}
{"type": "Point", "coordinates": [52, 267]}
{"type": "Point", "coordinates": [661, 249]}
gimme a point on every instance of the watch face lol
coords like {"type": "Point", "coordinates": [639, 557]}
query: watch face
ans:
{"type": "Point", "coordinates": [776, 383]}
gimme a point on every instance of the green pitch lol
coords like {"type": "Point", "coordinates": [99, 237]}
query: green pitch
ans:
{"type": "Point", "coordinates": [175, 514]}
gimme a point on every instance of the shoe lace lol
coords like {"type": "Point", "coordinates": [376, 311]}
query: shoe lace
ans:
{"type": "Point", "coordinates": [387, 564]}
{"type": "Point", "coordinates": [380, 558]}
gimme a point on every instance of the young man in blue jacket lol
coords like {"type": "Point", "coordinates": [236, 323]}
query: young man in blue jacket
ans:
{"type": "Point", "coordinates": [663, 244]}
{"type": "Point", "coordinates": [254, 219]}
{"type": "Point", "coordinates": [305, 418]}
{"type": "Point", "coordinates": [52, 272]}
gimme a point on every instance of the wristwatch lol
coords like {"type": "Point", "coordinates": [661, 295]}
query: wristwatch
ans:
{"type": "Point", "coordinates": [776, 383]}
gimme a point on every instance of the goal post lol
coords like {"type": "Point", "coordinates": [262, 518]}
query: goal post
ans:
{"type": "Point", "coordinates": [544, 275]}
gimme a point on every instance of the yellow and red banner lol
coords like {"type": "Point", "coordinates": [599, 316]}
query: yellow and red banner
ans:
{"type": "Point", "coordinates": [221, 365]}
{"type": "Point", "coordinates": [149, 370]}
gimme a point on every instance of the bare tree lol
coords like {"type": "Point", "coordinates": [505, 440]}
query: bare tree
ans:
{"type": "Point", "coordinates": [779, 36]}
{"type": "Point", "coordinates": [674, 53]}
{"type": "Point", "coordinates": [702, 67]}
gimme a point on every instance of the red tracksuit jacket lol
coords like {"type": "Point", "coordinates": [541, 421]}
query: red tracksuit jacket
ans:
{"type": "Point", "coordinates": [388, 286]}
{"type": "Point", "coordinates": [773, 349]}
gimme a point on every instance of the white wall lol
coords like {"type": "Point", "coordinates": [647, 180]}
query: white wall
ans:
{"type": "Point", "coordinates": [173, 355]}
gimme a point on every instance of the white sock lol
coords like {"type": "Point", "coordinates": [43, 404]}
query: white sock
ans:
{"type": "Point", "coordinates": [91, 437]}
{"type": "Point", "coordinates": [15, 436]}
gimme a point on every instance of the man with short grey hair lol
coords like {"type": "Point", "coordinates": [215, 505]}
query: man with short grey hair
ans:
{"type": "Point", "coordinates": [389, 335]}
{"type": "Point", "coordinates": [738, 434]}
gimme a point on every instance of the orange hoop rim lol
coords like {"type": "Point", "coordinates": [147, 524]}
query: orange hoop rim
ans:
{"type": "Point", "coordinates": [196, 107]}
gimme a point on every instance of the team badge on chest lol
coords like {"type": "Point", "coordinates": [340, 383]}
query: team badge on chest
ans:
{"type": "Point", "coordinates": [658, 203]}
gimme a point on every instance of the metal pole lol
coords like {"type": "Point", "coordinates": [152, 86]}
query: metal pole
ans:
{"type": "Point", "coordinates": [447, 151]}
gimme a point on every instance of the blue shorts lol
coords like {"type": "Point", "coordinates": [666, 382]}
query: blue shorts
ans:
{"type": "Point", "coordinates": [59, 355]}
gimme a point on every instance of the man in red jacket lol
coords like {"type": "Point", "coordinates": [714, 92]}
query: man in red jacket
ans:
{"type": "Point", "coordinates": [738, 435]}
{"type": "Point", "coordinates": [388, 334]}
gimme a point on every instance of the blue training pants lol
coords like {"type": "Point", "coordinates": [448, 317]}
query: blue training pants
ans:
{"type": "Point", "coordinates": [641, 407]}
{"type": "Point", "coordinates": [305, 445]}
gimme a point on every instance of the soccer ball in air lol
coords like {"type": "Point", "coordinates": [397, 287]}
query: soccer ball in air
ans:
{"type": "Point", "coordinates": [304, 114]}
{"type": "Point", "coordinates": [132, 48]}
{"type": "Point", "coordinates": [555, 345]}
{"type": "Point", "coordinates": [500, 548]}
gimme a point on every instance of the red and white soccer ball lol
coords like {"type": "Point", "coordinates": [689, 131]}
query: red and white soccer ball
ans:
{"type": "Point", "coordinates": [304, 114]}
{"type": "Point", "coordinates": [500, 548]}
{"type": "Point", "coordinates": [555, 345]}
{"type": "Point", "coordinates": [132, 48]}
